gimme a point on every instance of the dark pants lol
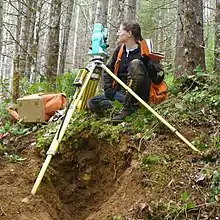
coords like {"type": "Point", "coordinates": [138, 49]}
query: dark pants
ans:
{"type": "Point", "coordinates": [138, 81]}
{"type": "Point", "coordinates": [100, 103]}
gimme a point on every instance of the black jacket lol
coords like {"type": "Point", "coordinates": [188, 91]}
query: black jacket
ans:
{"type": "Point", "coordinates": [123, 68]}
{"type": "Point", "coordinates": [122, 72]}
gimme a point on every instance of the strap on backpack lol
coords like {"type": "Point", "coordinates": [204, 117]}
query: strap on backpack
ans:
{"type": "Point", "coordinates": [117, 63]}
{"type": "Point", "coordinates": [144, 48]}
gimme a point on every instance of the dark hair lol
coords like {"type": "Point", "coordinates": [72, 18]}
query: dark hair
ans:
{"type": "Point", "coordinates": [134, 27]}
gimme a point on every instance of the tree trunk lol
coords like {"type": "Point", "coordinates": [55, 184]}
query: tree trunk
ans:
{"type": "Point", "coordinates": [66, 36]}
{"type": "Point", "coordinates": [1, 25]}
{"type": "Point", "coordinates": [16, 71]}
{"type": "Point", "coordinates": [83, 38]}
{"type": "Point", "coordinates": [217, 37]}
{"type": "Point", "coordinates": [102, 12]}
{"type": "Point", "coordinates": [15, 80]}
{"type": "Point", "coordinates": [113, 25]}
{"type": "Point", "coordinates": [115, 19]}
{"type": "Point", "coordinates": [32, 44]}
{"type": "Point", "coordinates": [53, 42]}
{"type": "Point", "coordinates": [24, 39]}
{"type": "Point", "coordinates": [5, 70]}
{"type": "Point", "coordinates": [1, 39]}
{"type": "Point", "coordinates": [76, 31]}
{"type": "Point", "coordinates": [121, 11]}
{"type": "Point", "coordinates": [36, 47]}
{"type": "Point", "coordinates": [161, 31]}
{"type": "Point", "coordinates": [156, 43]}
{"type": "Point", "coordinates": [179, 38]}
{"type": "Point", "coordinates": [101, 17]}
{"type": "Point", "coordinates": [130, 9]}
{"type": "Point", "coordinates": [193, 36]}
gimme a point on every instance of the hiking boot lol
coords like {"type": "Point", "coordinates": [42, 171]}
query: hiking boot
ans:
{"type": "Point", "coordinates": [122, 115]}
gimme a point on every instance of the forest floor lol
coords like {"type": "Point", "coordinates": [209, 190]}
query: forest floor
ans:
{"type": "Point", "coordinates": [139, 176]}
{"type": "Point", "coordinates": [100, 181]}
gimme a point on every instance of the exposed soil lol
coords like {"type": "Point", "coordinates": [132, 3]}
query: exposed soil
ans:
{"type": "Point", "coordinates": [76, 185]}
{"type": "Point", "coordinates": [98, 181]}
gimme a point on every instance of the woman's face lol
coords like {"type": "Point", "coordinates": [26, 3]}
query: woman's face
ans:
{"type": "Point", "coordinates": [123, 35]}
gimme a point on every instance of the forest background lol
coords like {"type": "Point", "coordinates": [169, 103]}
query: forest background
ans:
{"type": "Point", "coordinates": [43, 43]}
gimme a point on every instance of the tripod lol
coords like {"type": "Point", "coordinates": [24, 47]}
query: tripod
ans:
{"type": "Point", "coordinates": [86, 77]}
{"type": "Point", "coordinates": [86, 83]}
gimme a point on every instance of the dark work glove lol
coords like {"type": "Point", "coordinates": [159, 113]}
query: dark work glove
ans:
{"type": "Point", "coordinates": [110, 93]}
{"type": "Point", "coordinates": [145, 59]}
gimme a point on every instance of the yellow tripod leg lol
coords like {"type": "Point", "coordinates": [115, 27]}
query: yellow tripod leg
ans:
{"type": "Point", "coordinates": [85, 97]}
{"type": "Point", "coordinates": [147, 106]}
{"type": "Point", "coordinates": [59, 134]}
{"type": "Point", "coordinates": [89, 91]}
{"type": "Point", "coordinates": [92, 89]}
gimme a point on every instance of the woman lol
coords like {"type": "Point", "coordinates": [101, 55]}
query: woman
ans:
{"type": "Point", "coordinates": [132, 71]}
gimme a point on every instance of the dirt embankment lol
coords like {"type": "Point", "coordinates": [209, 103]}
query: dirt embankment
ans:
{"type": "Point", "coordinates": [76, 185]}
{"type": "Point", "coordinates": [98, 181]}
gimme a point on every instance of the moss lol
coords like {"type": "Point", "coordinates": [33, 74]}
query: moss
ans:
{"type": "Point", "coordinates": [150, 160]}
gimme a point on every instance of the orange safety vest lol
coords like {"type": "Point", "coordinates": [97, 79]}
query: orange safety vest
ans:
{"type": "Point", "coordinates": [158, 92]}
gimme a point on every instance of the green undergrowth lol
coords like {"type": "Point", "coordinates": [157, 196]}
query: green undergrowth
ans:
{"type": "Point", "coordinates": [194, 96]}
{"type": "Point", "coordinates": [86, 124]}
{"type": "Point", "coordinates": [7, 125]}
{"type": "Point", "coordinates": [182, 184]}
{"type": "Point", "coordinates": [64, 83]}
{"type": "Point", "coordinates": [192, 100]}
{"type": "Point", "coordinates": [82, 124]}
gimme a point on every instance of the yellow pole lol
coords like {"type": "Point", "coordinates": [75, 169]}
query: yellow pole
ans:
{"type": "Point", "coordinates": [57, 139]}
{"type": "Point", "coordinates": [147, 106]}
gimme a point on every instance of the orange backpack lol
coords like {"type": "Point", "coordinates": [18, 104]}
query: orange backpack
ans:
{"type": "Point", "coordinates": [50, 103]}
{"type": "Point", "coordinates": [158, 92]}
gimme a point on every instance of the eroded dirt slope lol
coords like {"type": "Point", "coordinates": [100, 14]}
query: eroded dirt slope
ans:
{"type": "Point", "coordinates": [98, 181]}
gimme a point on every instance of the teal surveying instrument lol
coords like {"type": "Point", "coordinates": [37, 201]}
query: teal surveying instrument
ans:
{"type": "Point", "coordinates": [86, 83]}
